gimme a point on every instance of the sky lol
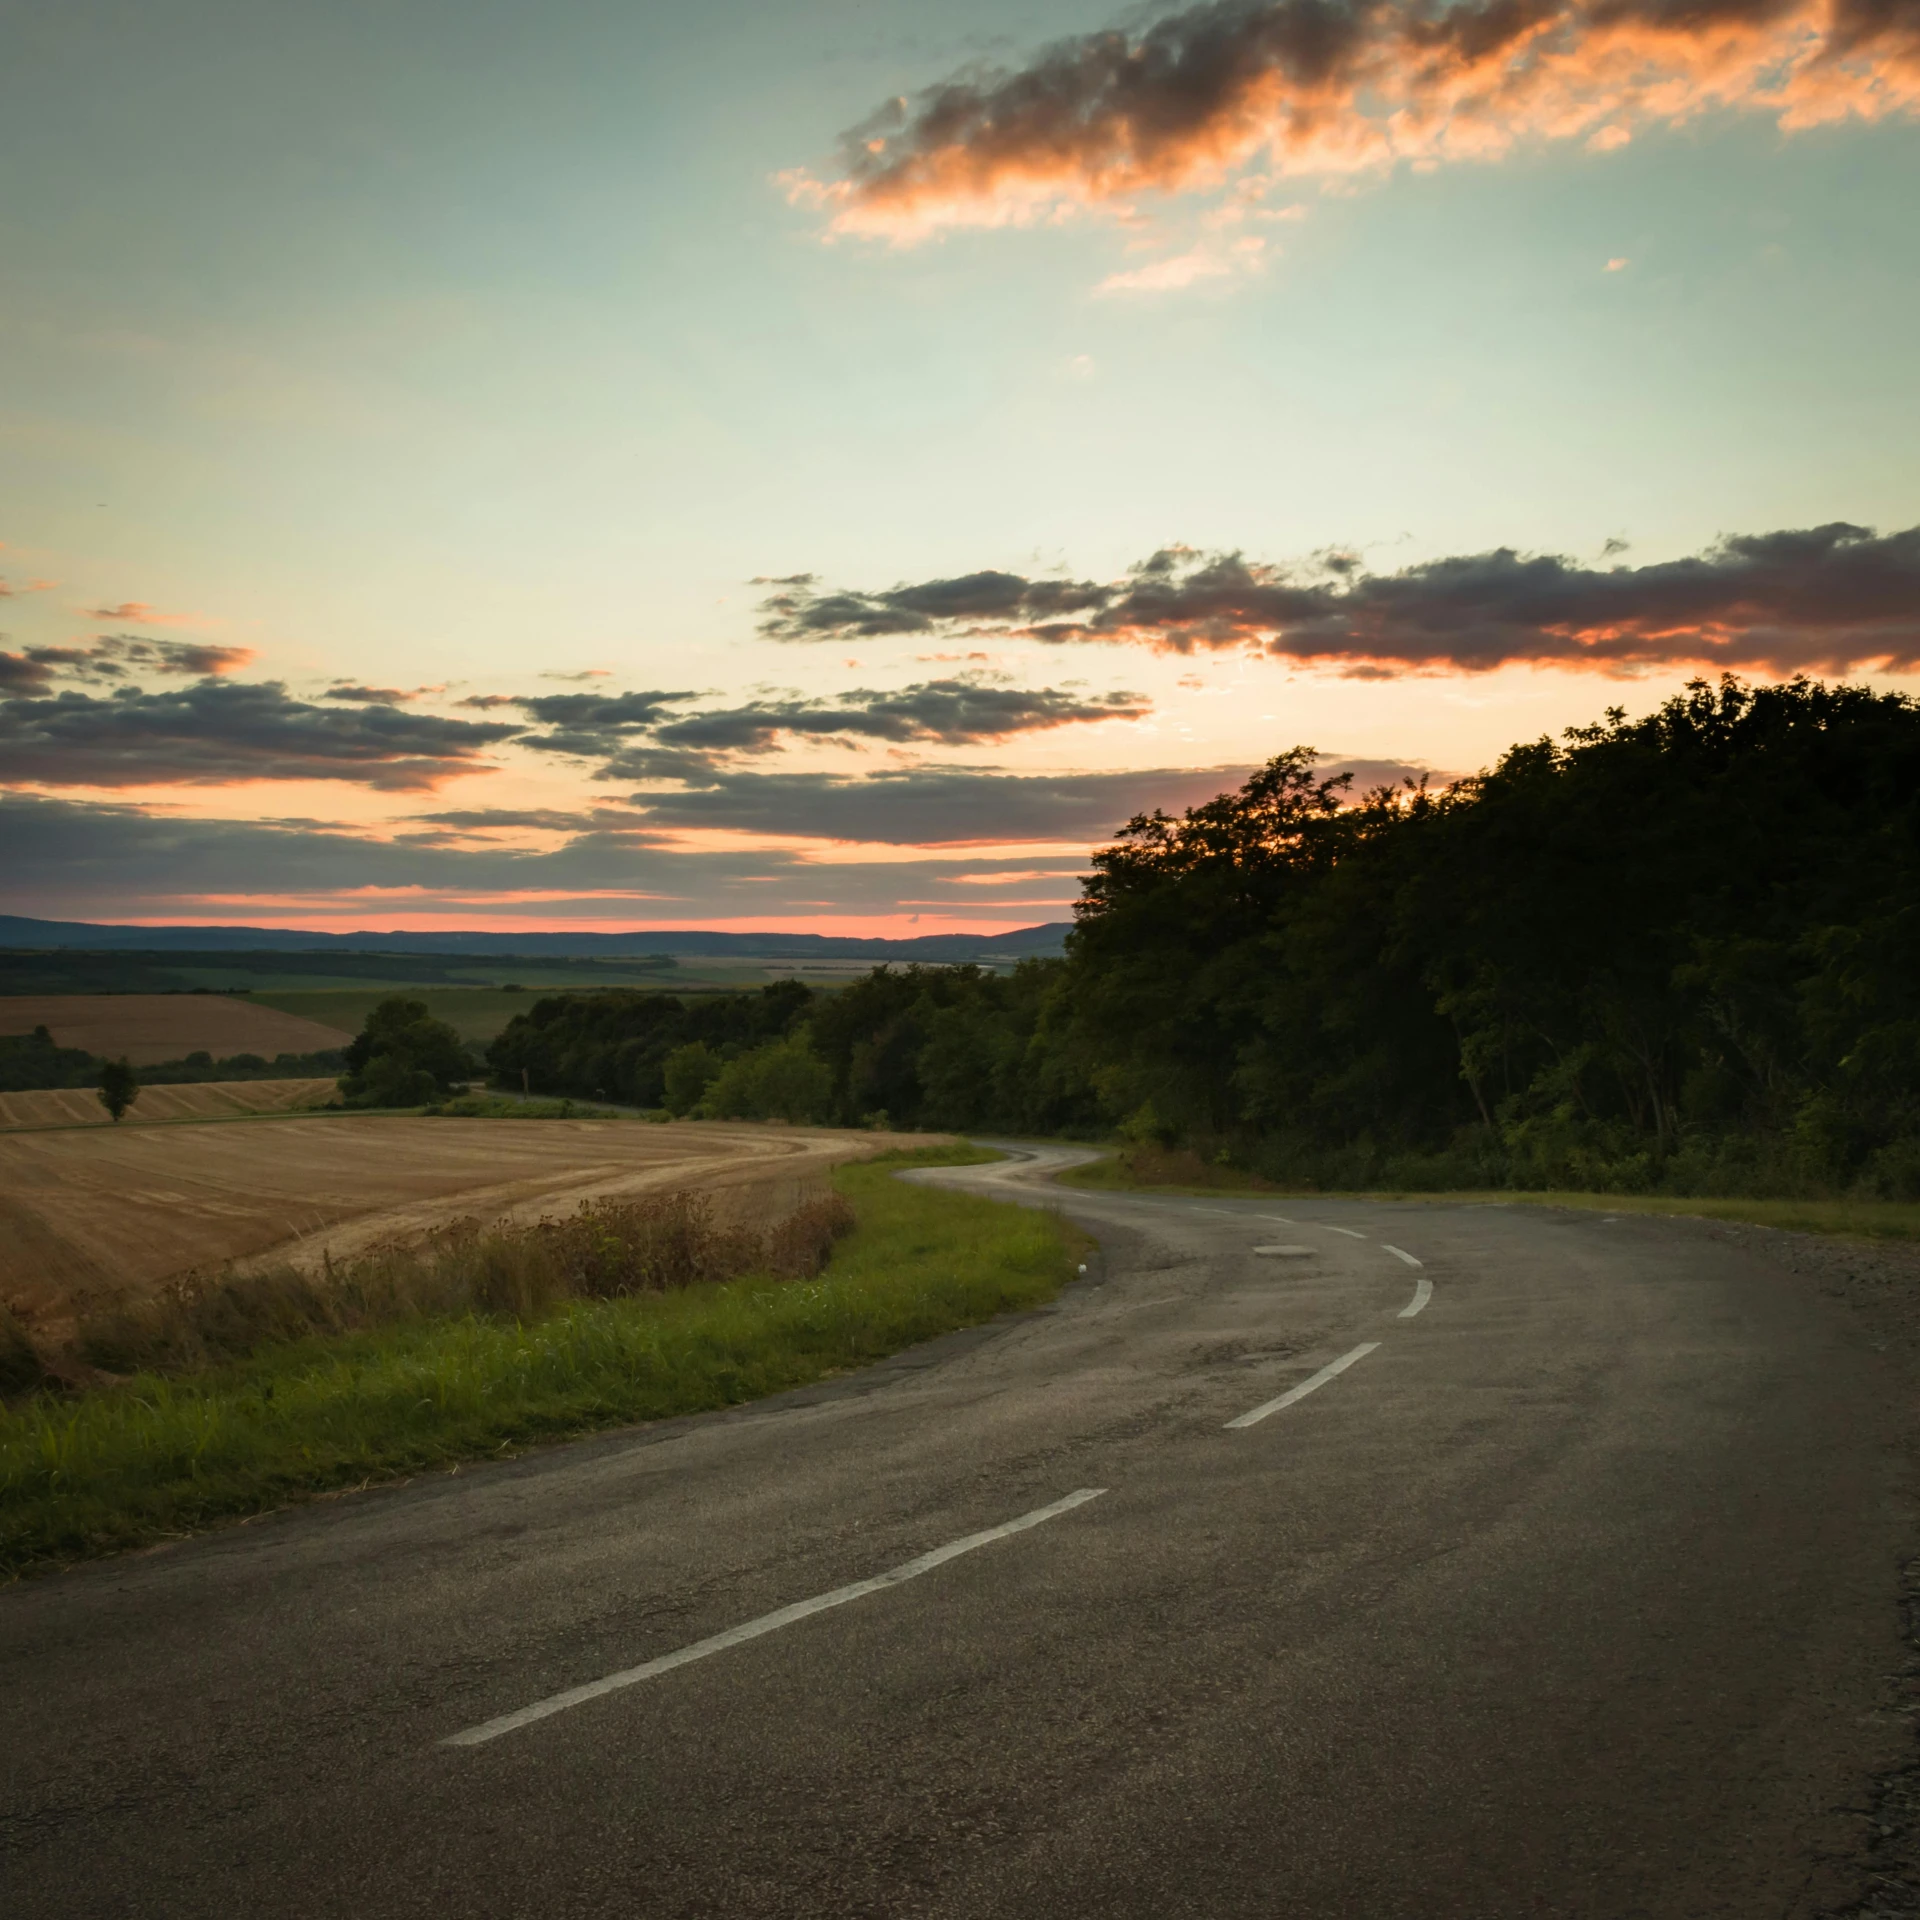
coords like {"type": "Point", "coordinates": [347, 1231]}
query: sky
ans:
{"type": "Point", "coordinates": [827, 466]}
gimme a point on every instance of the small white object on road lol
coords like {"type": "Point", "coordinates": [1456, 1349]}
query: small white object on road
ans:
{"type": "Point", "coordinates": [1330, 1371]}
{"type": "Point", "coordinates": [1398, 1254]}
{"type": "Point", "coordinates": [767, 1623]}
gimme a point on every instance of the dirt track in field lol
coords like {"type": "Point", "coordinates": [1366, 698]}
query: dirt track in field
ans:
{"type": "Point", "coordinates": [92, 1213]}
{"type": "Point", "coordinates": [148, 1027]}
{"type": "Point", "coordinates": [209, 1100]}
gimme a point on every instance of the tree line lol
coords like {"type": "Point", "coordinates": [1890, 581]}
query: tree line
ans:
{"type": "Point", "coordinates": [1680, 951]}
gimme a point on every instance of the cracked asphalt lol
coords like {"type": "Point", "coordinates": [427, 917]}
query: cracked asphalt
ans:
{"type": "Point", "coordinates": [1579, 1594]}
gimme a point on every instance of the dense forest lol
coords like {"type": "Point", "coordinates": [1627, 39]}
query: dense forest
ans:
{"type": "Point", "coordinates": [1681, 951]}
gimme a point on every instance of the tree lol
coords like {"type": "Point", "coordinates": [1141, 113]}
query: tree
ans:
{"type": "Point", "coordinates": [119, 1089]}
{"type": "Point", "coordinates": [686, 1074]}
{"type": "Point", "coordinates": [784, 1080]}
{"type": "Point", "coordinates": [404, 1057]}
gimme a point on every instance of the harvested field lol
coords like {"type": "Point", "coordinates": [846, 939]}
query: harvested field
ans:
{"type": "Point", "coordinates": [149, 1027]}
{"type": "Point", "coordinates": [208, 1100]}
{"type": "Point", "coordinates": [91, 1214]}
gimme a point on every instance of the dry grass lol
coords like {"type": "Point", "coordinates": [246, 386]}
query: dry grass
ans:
{"type": "Point", "coordinates": [94, 1214]}
{"type": "Point", "coordinates": [204, 1100]}
{"type": "Point", "coordinates": [607, 1250]}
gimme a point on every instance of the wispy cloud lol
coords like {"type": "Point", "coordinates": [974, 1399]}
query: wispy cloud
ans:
{"type": "Point", "coordinates": [142, 614]}
{"type": "Point", "coordinates": [1315, 87]}
{"type": "Point", "coordinates": [1831, 598]}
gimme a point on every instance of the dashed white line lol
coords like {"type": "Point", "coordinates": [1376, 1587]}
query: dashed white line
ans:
{"type": "Point", "coordinates": [767, 1623]}
{"type": "Point", "coordinates": [1348, 1231]}
{"type": "Point", "coordinates": [1280, 1218]}
{"type": "Point", "coordinates": [1330, 1371]}
{"type": "Point", "coordinates": [1401, 1254]}
{"type": "Point", "coordinates": [1422, 1293]}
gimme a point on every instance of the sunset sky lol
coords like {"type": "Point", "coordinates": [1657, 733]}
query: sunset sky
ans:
{"type": "Point", "coordinates": [824, 466]}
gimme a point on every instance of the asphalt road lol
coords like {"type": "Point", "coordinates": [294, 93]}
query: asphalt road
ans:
{"type": "Point", "coordinates": [1574, 1594]}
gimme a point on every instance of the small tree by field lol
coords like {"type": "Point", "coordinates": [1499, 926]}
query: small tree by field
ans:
{"type": "Point", "coordinates": [785, 1080]}
{"type": "Point", "coordinates": [687, 1073]}
{"type": "Point", "coordinates": [404, 1057]}
{"type": "Point", "coordinates": [119, 1089]}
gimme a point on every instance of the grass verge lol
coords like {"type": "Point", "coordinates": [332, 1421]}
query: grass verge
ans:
{"type": "Point", "coordinates": [1859, 1219]}
{"type": "Point", "coordinates": [158, 1456]}
{"type": "Point", "coordinates": [1152, 1170]}
{"type": "Point", "coordinates": [1161, 1170]}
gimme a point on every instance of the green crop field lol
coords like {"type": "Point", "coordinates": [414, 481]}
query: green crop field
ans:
{"type": "Point", "coordinates": [476, 1014]}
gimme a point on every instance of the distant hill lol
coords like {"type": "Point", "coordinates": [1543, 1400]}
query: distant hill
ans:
{"type": "Point", "coordinates": [1021, 943]}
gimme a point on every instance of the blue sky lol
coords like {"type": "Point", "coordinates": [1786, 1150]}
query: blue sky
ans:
{"type": "Point", "coordinates": [458, 347]}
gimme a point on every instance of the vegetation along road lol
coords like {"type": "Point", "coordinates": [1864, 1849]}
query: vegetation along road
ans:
{"type": "Point", "coordinates": [1310, 1558]}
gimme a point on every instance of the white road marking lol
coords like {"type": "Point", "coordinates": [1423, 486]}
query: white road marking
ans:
{"type": "Point", "coordinates": [1400, 1254]}
{"type": "Point", "coordinates": [1280, 1217]}
{"type": "Point", "coordinates": [1348, 1231]}
{"type": "Point", "coordinates": [1225, 1213]}
{"type": "Point", "coordinates": [1320, 1379]}
{"type": "Point", "coordinates": [1422, 1293]}
{"type": "Point", "coordinates": [767, 1623]}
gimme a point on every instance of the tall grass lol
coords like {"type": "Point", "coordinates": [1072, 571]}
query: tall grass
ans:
{"type": "Point", "coordinates": [164, 1453]}
{"type": "Point", "coordinates": [607, 1249]}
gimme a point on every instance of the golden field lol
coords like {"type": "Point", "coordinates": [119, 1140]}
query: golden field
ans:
{"type": "Point", "coordinates": [206, 1100]}
{"type": "Point", "coordinates": [90, 1213]}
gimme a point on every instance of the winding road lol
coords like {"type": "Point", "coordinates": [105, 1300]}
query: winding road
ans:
{"type": "Point", "coordinates": [1309, 1558]}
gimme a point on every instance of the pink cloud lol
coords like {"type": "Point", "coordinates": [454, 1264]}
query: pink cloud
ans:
{"type": "Point", "coordinates": [1188, 104]}
{"type": "Point", "coordinates": [144, 615]}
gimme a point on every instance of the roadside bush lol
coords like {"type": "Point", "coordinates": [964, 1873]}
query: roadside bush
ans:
{"type": "Point", "coordinates": [785, 1080]}
{"type": "Point", "coordinates": [687, 1073]}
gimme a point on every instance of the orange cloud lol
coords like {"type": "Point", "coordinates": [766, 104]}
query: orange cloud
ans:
{"type": "Point", "coordinates": [143, 615]}
{"type": "Point", "coordinates": [1304, 89]}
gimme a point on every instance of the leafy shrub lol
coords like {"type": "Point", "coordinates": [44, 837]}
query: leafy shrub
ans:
{"type": "Point", "coordinates": [686, 1074]}
{"type": "Point", "coordinates": [404, 1058]}
{"type": "Point", "coordinates": [784, 1081]}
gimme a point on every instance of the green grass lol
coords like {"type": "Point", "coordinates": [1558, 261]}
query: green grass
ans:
{"type": "Point", "coordinates": [1161, 1170]}
{"type": "Point", "coordinates": [1860, 1219]}
{"type": "Point", "coordinates": [476, 1014]}
{"type": "Point", "coordinates": [1180, 1172]}
{"type": "Point", "coordinates": [157, 1457]}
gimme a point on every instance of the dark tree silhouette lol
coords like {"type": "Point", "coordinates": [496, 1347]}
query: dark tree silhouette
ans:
{"type": "Point", "coordinates": [119, 1089]}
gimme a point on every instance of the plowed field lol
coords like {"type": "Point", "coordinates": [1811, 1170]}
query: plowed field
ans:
{"type": "Point", "coordinates": [94, 1212]}
{"type": "Point", "coordinates": [146, 1027]}
{"type": "Point", "coordinates": [78, 1106]}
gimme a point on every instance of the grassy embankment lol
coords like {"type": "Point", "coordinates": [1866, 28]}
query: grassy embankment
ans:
{"type": "Point", "coordinates": [157, 1455]}
{"type": "Point", "coordinates": [1154, 1170]}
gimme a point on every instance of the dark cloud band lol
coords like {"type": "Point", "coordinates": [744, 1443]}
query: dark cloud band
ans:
{"type": "Point", "coordinates": [218, 732]}
{"type": "Point", "coordinates": [1831, 598]}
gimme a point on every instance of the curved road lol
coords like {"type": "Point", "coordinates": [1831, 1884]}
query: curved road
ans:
{"type": "Point", "coordinates": [1572, 1593]}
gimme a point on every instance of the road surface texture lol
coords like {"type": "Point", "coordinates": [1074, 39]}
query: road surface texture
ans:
{"type": "Point", "coordinates": [1576, 1592]}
